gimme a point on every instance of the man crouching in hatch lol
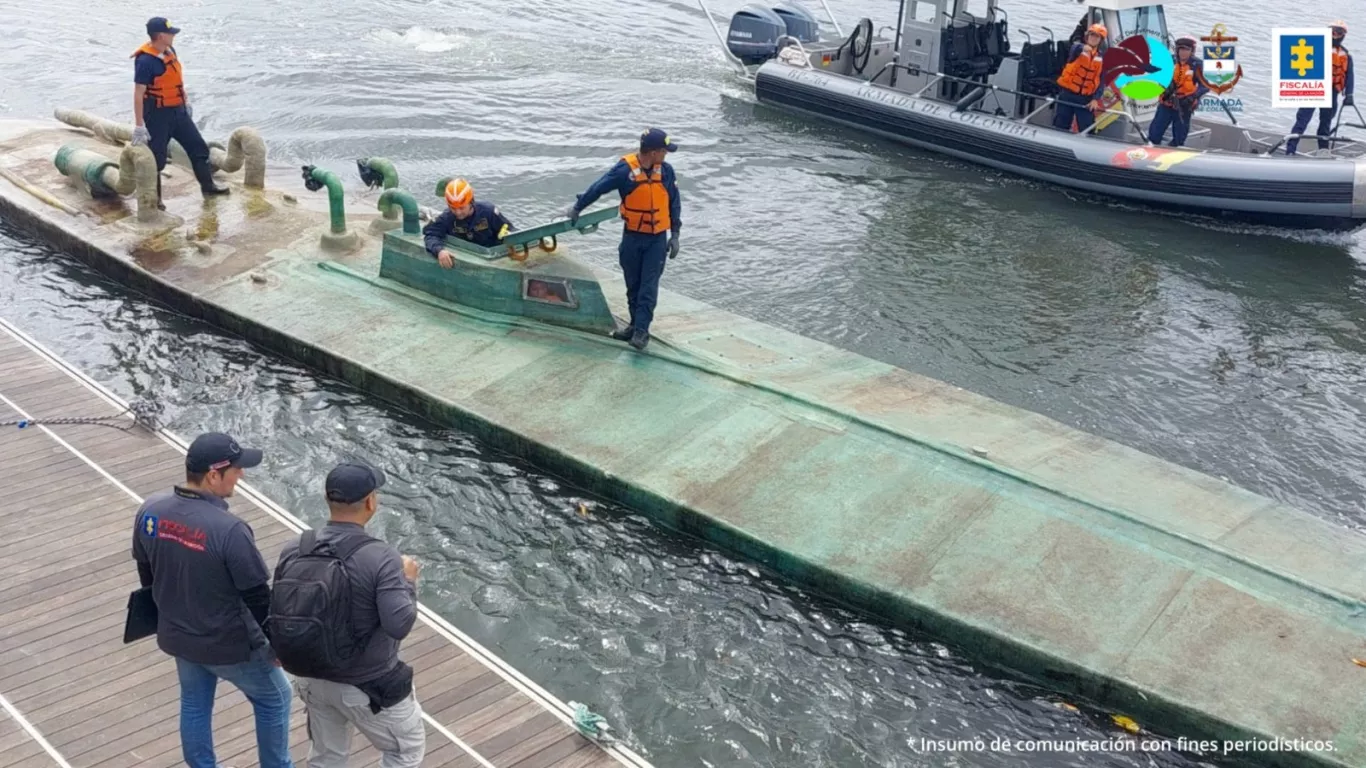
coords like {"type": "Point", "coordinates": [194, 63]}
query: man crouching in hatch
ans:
{"type": "Point", "coordinates": [475, 221]}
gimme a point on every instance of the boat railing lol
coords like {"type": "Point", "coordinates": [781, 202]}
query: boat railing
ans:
{"type": "Point", "coordinates": [833, 23]}
{"type": "Point", "coordinates": [1129, 120]}
{"type": "Point", "coordinates": [987, 88]}
{"type": "Point", "coordinates": [1332, 140]}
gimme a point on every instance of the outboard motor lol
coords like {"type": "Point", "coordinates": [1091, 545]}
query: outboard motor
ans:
{"type": "Point", "coordinates": [754, 33]}
{"type": "Point", "coordinates": [799, 22]}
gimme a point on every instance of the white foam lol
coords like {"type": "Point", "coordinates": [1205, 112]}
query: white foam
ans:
{"type": "Point", "coordinates": [421, 39]}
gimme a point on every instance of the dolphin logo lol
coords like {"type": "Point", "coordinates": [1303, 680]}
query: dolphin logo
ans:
{"type": "Point", "coordinates": [1129, 57]}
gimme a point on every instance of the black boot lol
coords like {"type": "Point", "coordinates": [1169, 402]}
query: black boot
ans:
{"type": "Point", "coordinates": [206, 184]}
{"type": "Point", "coordinates": [639, 339]}
{"type": "Point", "coordinates": [623, 334]}
{"type": "Point", "coordinates": [160, 205]}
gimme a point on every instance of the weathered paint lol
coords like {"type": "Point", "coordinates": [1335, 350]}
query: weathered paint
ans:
{"type": "Point", "coordinates": [1184, 601]}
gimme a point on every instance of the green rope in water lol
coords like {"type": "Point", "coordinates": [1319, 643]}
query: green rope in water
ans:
{"type": "Point", "coordinates": [591, 724]}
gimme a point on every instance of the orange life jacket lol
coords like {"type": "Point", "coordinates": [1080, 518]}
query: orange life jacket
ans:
{"type": "Point", "coordinates": [1183, 76]}
{"type": "Point", "coordinates": [168, 89]}
{"type": "Point", "coordinates": [1082, 74]}
{"type": "Point", "coordinates": [1339, 69]}
{"type": "Point", "coordinates": [646, 208]}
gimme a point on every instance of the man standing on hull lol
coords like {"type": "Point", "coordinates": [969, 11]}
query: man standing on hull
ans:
{"type": "Point", "coordinates": [161, 110]}
{"type": "Point", "coordinates": [651, 209]}
{"type": "Point", "coordinates": [1344, 79]}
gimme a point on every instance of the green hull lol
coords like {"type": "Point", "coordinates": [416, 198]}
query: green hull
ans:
{"type": "Point", "coordinates": [1185, 602]}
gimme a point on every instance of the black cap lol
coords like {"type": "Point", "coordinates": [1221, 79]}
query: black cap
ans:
{"type": "Point", "coordinates": [158, 24]}
{"type": "Point", "coordinates": [655, 138]}
{"type": "Point", "coordinates": [351, 481]}
{"type": "Point", "coordinates": [215, 450]}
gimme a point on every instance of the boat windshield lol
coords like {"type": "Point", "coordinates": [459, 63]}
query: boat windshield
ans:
{"type": "Point", "coordinates": [1146, 20]}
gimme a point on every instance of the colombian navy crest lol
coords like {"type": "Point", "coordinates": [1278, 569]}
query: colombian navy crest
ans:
{"type": "Point", "coordinates": [1219, 69]}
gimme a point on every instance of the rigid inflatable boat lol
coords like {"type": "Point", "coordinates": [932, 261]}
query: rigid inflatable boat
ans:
{"type": "Point", "coordinates": [949, 82]}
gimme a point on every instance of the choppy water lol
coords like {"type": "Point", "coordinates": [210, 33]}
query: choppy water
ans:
{"type": "Point", "coordinates": [1235, 351]}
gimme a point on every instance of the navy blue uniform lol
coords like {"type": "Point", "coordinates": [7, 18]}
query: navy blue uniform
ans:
{"type": "Point", "coordinates": [483, 227]}
{"type": "Point", "coordinates": [641, 255]}
{"type": "Point", "coordinates": [166, 123]}
{"type": "Point", "coordinates": [1304, 115]}
{"type": "Point", "coordinates": [1171, 116]}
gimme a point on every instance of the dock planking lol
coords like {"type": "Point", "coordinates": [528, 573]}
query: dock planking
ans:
{"type": "Point", "coordinates": [65, 575]}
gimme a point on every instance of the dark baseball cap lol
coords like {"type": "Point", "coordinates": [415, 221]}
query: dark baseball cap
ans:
{"type": "Point", "coordinates": [351, 481]}
{"type": "Point", "coordinates": [655, 138]}
{"type": "Point", "coordinates": [215, 450]}
{"type": "Point", "coordinates": [158, 24]}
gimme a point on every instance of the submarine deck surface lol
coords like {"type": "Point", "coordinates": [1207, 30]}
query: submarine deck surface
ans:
{"type": "Point", "coordinates": [1192, 604]}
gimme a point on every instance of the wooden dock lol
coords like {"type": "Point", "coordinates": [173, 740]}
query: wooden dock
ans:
{"type": "Point", "coordinates": [73, 695]}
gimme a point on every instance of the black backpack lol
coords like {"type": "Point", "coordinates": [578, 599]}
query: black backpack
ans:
{"type": "Point", "coordinates": [310, 608]}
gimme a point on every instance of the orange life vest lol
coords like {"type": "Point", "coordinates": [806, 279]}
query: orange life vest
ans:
{"type": "Point", "coordinates": [1183, 76]}
{"type": "Point", "coordinates": [646, 208]}
{"type": "Point", "coordinates": [1339, 69]}
{"type": "Point", "coordinates": [1082, 74]}
{"type": "Point", "coordinates": [168, 89]}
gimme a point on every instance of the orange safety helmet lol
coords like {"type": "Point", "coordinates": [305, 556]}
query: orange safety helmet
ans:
{"type": "Point", "coordinates": [1339, 24]}
{"type": "Point", "coordinates": [459, 193]}
{"type": "Point", "coordinates": [1098, 29]}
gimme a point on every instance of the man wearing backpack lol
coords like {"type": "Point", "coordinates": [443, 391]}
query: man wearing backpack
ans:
{"type": "Point", "coordinates": [343, 649]}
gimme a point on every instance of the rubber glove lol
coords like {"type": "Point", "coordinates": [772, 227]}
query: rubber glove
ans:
{"type": "Point", "coordinates": [673, 244]}
{"type": "Point", "coordinates": [572, 214]}
{"type": "Point", "coordinates": [140, 136]}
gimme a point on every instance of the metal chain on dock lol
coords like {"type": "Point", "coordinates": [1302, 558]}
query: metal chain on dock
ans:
{"type": "Point", "coordinates": [144, 412]}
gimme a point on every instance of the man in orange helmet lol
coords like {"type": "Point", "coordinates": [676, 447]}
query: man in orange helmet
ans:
{"type": "Point", "coordinates": [1343, 82]}
{"type": "Point", "coordinates": [1079, 85]}
{"type": "Point", "coordinates": [472, 220]}
{"type": "Point", "coordinates": [161, 110]}
{"type": "Point", "coordinates": [650, 208]}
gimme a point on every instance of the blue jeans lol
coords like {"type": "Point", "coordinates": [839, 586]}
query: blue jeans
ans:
{"type": "Point", "coordinates": [642, 260]}
{"type": "Point", "coordinates": [264, 685]}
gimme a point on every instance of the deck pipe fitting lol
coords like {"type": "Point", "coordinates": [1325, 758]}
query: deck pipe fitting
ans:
{"type": "Point", "coordinates": [339, 238]}
{"type": "Point", "coordinates": [391, 200]}
{"type": "Point", "coordinates": [136, 171]}
{"type": "Point", "coordinates": [376, 172]}
{"type": "Point", "coordinates": [245, 146]}
{"type": "Point", "coordinates": [246, 150]}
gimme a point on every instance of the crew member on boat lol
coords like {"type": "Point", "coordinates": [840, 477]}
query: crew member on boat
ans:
{"type": "Point", "coordinates": [161, 109]}
{"type": "Point", "coordinates": [1079, 85]}
{"type": "Point", "coordinates": [1343, 76]}
{"type": "Point", "coordinates": [1179, 101]}
{"type": "Point", "coordinates": [471, 220]}
{"type": "Point", "coordinates": [650, 207]}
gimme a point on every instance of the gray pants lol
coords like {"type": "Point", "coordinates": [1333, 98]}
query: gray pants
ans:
{"type": "Point", "coordinates": [397, 731]}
